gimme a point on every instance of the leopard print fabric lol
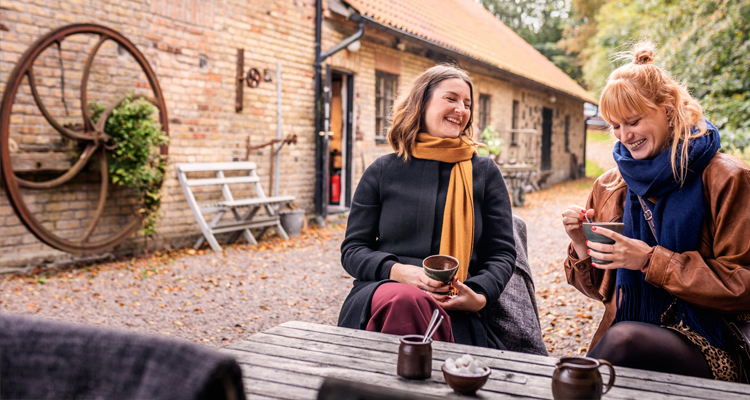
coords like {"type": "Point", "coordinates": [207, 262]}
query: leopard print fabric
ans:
{"type": "Point", "coordinates": [721, 363]}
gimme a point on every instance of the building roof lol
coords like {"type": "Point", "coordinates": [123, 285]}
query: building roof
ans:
{"type": "Point", "coordinates": [465, 27]}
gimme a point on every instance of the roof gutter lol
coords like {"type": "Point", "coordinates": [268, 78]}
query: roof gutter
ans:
{"type": "Point", "coordinates": [321, 113]}
{"type": "Point", "coordinates": [430, 45]}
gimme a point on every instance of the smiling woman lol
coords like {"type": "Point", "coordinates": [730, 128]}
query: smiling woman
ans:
{"type": "Point", "coordinates": [435, 195]}
{"type": "Point", "coordinates": [680, 266]}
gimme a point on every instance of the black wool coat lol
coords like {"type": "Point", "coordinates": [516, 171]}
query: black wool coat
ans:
{"type": "Point", "coordinates": [397, 216]}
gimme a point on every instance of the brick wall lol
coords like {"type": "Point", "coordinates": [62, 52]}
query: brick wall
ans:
{"type": "Point", "coordinates": [175, 36]}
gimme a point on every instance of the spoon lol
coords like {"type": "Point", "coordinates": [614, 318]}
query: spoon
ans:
{"type": "Point", "coordinates": [434, 329]}
{"type": "Point", "coordinates": [430, 326]}
{"type": "Point", "coordinates": [587, 217]}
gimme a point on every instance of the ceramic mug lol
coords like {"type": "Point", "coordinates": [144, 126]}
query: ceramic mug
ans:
{"type": "Point", "coordinates": [595, 237]}
{"type": "Point", "coordinates": [579, 378]}
{"type": "Point", "coordinates": [414, 357]}
{"type": "Point", "coordinates": [440, 268]}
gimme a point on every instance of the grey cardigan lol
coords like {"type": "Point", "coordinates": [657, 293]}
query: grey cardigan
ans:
{"type": "Point", "coordinates": [396, 216]}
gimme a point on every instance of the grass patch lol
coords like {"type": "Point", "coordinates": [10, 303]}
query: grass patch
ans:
{"type": "Point", "coordinates": [600, 137]}
{"type": "Point", "coordinates": [593, 169]}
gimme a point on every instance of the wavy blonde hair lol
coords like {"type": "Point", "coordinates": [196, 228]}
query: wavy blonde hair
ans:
{"type": "Point", "coordinates": [409, 111]}
{"type": "Point", "coordinates": [639, 87]}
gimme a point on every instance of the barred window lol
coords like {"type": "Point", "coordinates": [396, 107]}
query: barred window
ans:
{"type": "Point", "coordinates": [485, 101]}
{"type": "Point", "coordinates": [385, 94]}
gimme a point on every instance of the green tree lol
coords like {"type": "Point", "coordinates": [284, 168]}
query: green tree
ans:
{"type": "Point", "coordinates": [541, 24]}
{"type": "Point", "coordinates": [703, 43]}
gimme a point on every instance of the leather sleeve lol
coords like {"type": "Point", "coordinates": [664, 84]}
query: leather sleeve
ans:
{"type": "Point", "coordinates": [607, 199]}
{"type": "Point", "coordinates": [718, 275]}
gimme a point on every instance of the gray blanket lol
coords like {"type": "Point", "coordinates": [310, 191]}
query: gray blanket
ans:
{"type": "Point", "coordinates": [42, 359]}
{"type": "Point", "coordinates": [515, 317]}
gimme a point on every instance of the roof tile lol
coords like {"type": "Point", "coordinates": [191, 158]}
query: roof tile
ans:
{"type": "Point", "coordinates": [466, 27]}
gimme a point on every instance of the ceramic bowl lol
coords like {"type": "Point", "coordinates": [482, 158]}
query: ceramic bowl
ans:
{"type": "Point", "coordinates": [440, 268]}
{"type": "Point", "coordinates": [464, 384]}
{"type": "Point", "coordinates": [595, 237]}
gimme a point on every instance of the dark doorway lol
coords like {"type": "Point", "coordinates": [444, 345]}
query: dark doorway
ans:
{"type": "Point", "coordinates": [340, 142]}
{"type": "Point", "coordinates": [546, 138]}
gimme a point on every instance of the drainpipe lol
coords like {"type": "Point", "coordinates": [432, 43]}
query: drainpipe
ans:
{"type": "Point", "coordinates": [321, 137]}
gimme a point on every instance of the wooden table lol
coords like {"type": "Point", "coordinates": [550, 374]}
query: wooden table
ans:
{"type": "Point", "coordinates": [292, 360]}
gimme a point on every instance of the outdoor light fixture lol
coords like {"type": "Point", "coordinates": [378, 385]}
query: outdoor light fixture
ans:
{"type": "Point", "coordinates": [354, 46]}
{"type": "Point", "coordinates": [552, 98]}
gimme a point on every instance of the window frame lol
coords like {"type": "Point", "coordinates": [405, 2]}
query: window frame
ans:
{"type": "Point", "coordinates": [485, 111]}
{"type": "Point", "coordinates": [384, 102]}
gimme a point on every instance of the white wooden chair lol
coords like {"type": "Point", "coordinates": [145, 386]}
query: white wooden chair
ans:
{"type": "Point", "coordinates": [243, 222]}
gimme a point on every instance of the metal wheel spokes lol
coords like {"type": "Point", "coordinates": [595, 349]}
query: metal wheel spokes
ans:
{"type": "Point", "coordinates": [21, 184]}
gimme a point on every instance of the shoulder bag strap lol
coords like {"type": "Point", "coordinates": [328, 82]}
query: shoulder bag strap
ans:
{"type": "Point", "coordinates": [649, 218]}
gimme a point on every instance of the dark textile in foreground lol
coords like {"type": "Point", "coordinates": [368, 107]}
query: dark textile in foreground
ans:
{"type": "Point", "coordinates": [42, 359]}
{"type": "Point", "coordinates": [515, 317]}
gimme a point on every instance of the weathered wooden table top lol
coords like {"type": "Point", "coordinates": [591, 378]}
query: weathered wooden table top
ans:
{"type": "Point", "coordinates": [292, 360]}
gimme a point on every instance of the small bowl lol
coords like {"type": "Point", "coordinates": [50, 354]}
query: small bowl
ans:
{"type": "Point", "coordinates": [463, 384]}
{"type": "Point", "coordinates": [598, 238]}
{"type": "Point", "coordinates": [440, 268]}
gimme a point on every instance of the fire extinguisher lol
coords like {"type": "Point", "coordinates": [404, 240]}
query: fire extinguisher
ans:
{"type": "Point", "coordinates": [335, 188]}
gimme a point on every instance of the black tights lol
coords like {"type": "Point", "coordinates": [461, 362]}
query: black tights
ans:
{"type": "Point", "coordinates": [651, 347]}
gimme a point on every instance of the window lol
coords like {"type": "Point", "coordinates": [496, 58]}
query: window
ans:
{"type": "Point", "coordinates": [385, 94]}
{"type": "Point", "coordinates": [567, 133]}
{"type": "Point", "coordinates": [514, 121]}
{"type": "Point", "coordinates": [484, 111]}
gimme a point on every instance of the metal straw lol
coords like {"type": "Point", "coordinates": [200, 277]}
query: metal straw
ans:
{"type": "Point", "coordinates": [434, 329]}
{"type": "Point", "coordinates": [429, 327]}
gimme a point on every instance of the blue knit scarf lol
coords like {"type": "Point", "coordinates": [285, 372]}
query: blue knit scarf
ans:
{"type": "Point", "coordinates": [677, 216]}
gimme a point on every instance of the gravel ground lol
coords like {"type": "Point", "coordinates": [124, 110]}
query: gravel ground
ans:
{"type": "Point", "coordinates": [219, 298]}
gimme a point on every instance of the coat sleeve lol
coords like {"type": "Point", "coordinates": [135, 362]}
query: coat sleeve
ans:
{"type": "Point", "coordinates": [496, 248]}
{"type": "Point", "coordinates": [359, 254]}
{"type": "Point", "coordinates": [593, 282]}
{"type": "Point", "coordinates": [717, 276]}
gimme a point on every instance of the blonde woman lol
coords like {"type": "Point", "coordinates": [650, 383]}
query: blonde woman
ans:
{"type": "Point", "coordinates": [667, 288]}
{"type": "Point", "coordinates": [433, 195]}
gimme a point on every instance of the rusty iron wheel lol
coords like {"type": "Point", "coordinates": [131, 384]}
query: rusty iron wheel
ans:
{"type": "Point", "coordinates": [92, 138]}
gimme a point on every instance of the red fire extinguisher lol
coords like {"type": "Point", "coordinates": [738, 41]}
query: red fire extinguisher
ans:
{"type": "Point", "coordinates": [335, 188]}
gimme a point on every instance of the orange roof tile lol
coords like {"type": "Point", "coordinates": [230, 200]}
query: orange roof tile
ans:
{"type": "Point", "coordinates": [464, 26]}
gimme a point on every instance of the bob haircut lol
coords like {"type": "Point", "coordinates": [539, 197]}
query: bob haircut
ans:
{"type": "Point", "coordinates": [638, 87]}
{"type": "Point", "coordinates": [409, 111]}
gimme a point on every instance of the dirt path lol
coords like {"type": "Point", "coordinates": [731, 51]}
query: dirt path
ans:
{"type": "Point", "coordinates": [218, 298]}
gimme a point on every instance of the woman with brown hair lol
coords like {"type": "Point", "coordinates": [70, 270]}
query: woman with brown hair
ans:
{"type": "Point", "coordinates": [682, 262]}
{"type": "Point", "coordinates": [434, 195]}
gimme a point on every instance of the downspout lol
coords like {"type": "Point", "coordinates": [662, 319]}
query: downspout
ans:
{"type": "Point", "coordinates": [321, 208]}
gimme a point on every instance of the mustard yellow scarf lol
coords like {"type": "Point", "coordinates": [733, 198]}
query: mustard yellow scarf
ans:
{"type": "Point", "coordinates": [457, 238]}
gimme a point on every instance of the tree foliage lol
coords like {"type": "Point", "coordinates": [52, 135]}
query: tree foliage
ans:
{"type": "Point", "coordinates": [540, 23]}
{"type": "Point", "coordinates": [703, 43]}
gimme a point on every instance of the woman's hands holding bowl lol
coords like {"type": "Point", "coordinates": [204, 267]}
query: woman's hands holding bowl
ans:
{"type": "Point", "coordinates": [624, 253]}
{"type": "Point", "coordinates": [415, 276]}
{"type": "Point", "coordinates": [466, 299]}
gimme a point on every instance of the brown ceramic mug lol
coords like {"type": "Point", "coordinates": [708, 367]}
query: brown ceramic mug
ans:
{"type": "Point", "coordinates": [579, 378]}
{"type": "Point", "coordinates": [414, 357]}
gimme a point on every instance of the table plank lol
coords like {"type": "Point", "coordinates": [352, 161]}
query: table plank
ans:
{"type": "Point", "coordinates": [293, 359]}
{"type": "Point", "coordinates": [643, 377]}
{"type": "Point", "coordinates": [385, 363]}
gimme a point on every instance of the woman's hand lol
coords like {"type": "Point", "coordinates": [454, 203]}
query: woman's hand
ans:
{"type": "Point", "coordinates": [572, 218]}
{"type": "Point", "coordinates": [625, 253]}
{"type": "Point", "coordinates": [415, 276]}
{"type": "Point", "coordinates": [465, 300]}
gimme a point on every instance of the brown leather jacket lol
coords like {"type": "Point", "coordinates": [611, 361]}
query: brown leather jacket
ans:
{"type": "Point", "coordinates": [717, 276]}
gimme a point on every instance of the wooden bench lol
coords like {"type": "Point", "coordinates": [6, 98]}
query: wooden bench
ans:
{"type": "Point", "coordinates": [243, 222]}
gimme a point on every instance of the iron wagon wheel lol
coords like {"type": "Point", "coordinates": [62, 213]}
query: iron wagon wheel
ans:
{"type": "Point", "coordinates": [91, 137]}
